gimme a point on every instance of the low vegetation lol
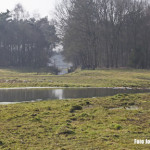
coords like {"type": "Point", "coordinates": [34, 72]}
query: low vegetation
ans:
{"type": "Point", "coordinates": [94, 123]}
{"type": "Point", "coordinates": [87, 78]}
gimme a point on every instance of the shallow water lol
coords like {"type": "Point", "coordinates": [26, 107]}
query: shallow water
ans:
{"type": "Point", "coordinates": [37, 94]}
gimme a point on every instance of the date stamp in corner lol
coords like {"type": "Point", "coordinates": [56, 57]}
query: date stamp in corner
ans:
{"type": "Point", "coordinates": [141, 141]}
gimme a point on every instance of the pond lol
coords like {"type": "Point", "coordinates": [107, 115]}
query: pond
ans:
{"type": "Point", "coordinates": [14, 95]}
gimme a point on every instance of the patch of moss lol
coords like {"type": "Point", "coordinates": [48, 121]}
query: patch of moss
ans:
{"type": "Point", "coordinates": [116, 126]}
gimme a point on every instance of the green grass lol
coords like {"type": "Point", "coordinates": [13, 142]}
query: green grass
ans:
{"type": "Point", "coordinates": [79, 124]}
{"type": "Point", "coordinates": [94, 124]}
{"type": "Point", "coordinates": [87, 78]}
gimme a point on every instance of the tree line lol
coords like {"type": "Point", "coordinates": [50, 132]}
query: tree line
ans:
{"type": "Point", "coordinates": [25, 41]}
{"type": "Point", "coordinates": [105, 33]}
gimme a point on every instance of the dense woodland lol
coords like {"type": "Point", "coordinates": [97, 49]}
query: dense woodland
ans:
{"type": "Point", "coordinates": [25, 41]}
{"type": "Point", "coordinates": [94, 34]}
{"type": "Point", "coordinates": [105, 33]}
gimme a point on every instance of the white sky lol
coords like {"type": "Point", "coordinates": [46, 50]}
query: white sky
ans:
{"type": "Point", "coordinates": [43, 7]}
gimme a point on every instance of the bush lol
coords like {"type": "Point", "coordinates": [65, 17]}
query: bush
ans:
{"type": "Point", "coordinates": [54, 70]}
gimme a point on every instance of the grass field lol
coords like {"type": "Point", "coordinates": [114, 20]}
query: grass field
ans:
{"type": "Point", "coordinates": [86, 78]}
{"type": "Point", "coordinates": [109, 123]}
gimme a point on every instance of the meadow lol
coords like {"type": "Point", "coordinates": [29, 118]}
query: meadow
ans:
{"type": "Point", "coordinates": [85, 78]}
{"type": "Point", "coordinates": [77, 124]}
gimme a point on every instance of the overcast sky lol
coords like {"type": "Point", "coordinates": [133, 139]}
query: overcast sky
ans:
{"type": "Point", "coordinates": [44, 7]}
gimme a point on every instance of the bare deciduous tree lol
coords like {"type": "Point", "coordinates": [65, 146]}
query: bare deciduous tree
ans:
{"type": "Point", "coordinates": [105, 33]}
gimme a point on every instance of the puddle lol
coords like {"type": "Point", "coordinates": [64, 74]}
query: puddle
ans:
{"type": "Point", "coordinates": [30, 94]}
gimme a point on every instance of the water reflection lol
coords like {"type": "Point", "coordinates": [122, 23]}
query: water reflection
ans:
{"type": "Point", "coordinates": [58, 93]}
{"type": "Point", "coordinates": [20, 95]}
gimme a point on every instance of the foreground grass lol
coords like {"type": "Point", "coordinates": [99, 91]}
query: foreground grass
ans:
{"type": "Point", "coordinates": [78, 124]}
{"type": "Point", "coordinates": [86, 78]}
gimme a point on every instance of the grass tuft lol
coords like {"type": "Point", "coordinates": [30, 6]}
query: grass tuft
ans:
{"type": "Point", "coordinates": [75, 107]}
